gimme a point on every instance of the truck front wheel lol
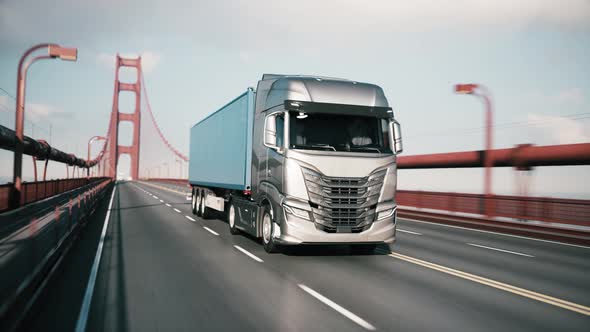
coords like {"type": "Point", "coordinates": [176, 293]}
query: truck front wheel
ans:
{"type": "Point", "coordinates": [268, 227]}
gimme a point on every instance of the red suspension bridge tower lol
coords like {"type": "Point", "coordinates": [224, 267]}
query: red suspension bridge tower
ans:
{"type": "Point", "coordinates": [114, 149]}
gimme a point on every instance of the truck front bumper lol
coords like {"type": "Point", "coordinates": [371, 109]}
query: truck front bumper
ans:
{"type": "Point", "coordinates": [296, 230]}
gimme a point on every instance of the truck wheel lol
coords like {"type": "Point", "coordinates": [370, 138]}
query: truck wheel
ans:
{"type": "Point", "coordinates": [268, 227]}
{"type": "Point", "coordinates": [198, 201]}
{"type": "Point", "coordinates": [205, 211]}
{"type": "Point", "coordinates": [232, 218]}
{"type": "Point", "coordinates": [194, 201]}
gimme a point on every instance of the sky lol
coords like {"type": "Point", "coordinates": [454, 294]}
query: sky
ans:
{"type": "Point", "coordinates": [532, 55]}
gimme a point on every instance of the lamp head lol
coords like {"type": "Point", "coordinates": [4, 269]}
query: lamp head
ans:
{"type": "Point", "coordinates": [64, 53]}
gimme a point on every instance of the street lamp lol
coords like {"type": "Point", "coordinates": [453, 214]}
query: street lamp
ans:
{"type": "Point", "coordinates": [481, 91]}
{"type": "Point", "coordinates": [53, 51]}
{"type": "Point", "coordinates": [90, 141]}
{"type": "Point", "coordinates": [99, 158]}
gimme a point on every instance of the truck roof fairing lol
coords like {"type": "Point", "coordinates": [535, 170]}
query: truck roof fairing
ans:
{"type": "Point", "coordinates": [273, 90]}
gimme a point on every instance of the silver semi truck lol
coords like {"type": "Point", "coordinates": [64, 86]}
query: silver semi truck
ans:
{"type": "Point", "coordinates": [300, 160]}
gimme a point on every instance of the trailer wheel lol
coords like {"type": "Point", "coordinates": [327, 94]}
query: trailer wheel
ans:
{"type": "Point", "coordinates": [194, 201]}
{"type": "Point", "coordinates": [205, 211]}
{"type": "Point", "coordinates": [268, 227]}
{"type": "Point", "coordinates": [198, 201]}
{"type": "Point", "coordinates": [231, 219]}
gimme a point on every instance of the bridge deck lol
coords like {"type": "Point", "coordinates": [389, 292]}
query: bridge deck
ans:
{"type": "Point", "coordinates": [160, 270]}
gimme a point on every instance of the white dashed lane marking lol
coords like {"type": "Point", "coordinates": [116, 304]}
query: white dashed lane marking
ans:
{"type": "Point", "coordinates": [249, 254]}
{"type": "Point", "coordinates": [211, 231]}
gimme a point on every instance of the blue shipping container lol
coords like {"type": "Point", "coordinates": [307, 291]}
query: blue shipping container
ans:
{"type": "Point", "coordinates": [221, 146]}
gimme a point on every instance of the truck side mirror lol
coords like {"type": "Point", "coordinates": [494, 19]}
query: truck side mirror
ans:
{"type": "Point", "coordinates": [397, 137]}
{"type": "Point", "coordinates": [270, 131]}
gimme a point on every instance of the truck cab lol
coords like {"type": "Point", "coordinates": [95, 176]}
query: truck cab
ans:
{"type": "Point", "coordinates": [324, 161]}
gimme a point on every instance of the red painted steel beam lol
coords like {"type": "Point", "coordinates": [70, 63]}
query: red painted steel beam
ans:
{"type": "Point", "coordinates": [128, 87]}
{"type": "Point", "coordinates": [519, 156]}
{"type": "Point", "coordinates": [125, 62]}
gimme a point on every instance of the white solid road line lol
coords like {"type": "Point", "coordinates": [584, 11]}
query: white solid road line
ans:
{"type": "Point", "coordinates": [211, 231]}
{"type": "Point", "coordinates": [409, 232]}
{"type": "Point", "coordinates": [168, 205]}
{"type": "Point", "coordinates": [496, 233]}
{"type": "Point", "coordinates": [83, 316]}
{"type": "Point", "coordinates": [498, 285]}
{"type": "Point", "coordinates": [177, 210]}
{"type": "Point", "coordinates": [189, 218]}
{"type": "Point", "coordinates": [249, 254]}
{"type": "Point", "coordinates": [338, 308]}
{"type": "Point", "coordinates": [502, 250]}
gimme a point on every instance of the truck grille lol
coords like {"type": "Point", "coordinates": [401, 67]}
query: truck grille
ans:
{"type": "Point", "coordinates": [343, 205]}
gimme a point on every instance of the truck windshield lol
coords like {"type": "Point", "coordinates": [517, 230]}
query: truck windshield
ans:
{"type": "Point", "coordinates": [335, 132]}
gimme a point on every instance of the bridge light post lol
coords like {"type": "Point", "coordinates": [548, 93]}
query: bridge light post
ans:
{"type": "Point", "coordinates": [53, 51]}
{"type": "Point", "coordinates": [481, 91]}
{"type": "Point", "coordinates": [90, 141]}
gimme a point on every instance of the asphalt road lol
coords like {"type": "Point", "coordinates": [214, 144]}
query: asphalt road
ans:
{"type": "Point", "coordinates": [163, 268]}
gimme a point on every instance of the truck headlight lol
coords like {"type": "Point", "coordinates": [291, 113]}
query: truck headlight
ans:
{"type": "Point", "coordinates": [386, 213]}
{"type": "Point", "coordinates": [377, 177]}
{"type": "Point", "coordinates": [311, 175]}
{"type": "Point", "coordinates": [303, 214]}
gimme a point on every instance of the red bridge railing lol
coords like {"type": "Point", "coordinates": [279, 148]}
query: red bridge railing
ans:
{"type": "Point", "coordinates": [555, 210]}
{"type": "Point", "coordinates": [36, 191]}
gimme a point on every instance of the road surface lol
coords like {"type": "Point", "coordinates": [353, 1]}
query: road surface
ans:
{"type": "Point", "coordinates": [162, 268]}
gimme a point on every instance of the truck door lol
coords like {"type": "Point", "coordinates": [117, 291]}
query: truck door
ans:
{"type": "Point", "coordinates": [275, 159]}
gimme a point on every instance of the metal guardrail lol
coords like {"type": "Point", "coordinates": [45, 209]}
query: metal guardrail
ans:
{"type": "Point", "coordinates": [554, 210]}
{"type": "Point", "coordinates": [40, 149]}
{"type": "Point", "coordinates": [34, 237]}
{"type": "Point", "coordinates": [35, 191]}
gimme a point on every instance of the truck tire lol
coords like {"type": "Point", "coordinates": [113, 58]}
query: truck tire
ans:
{"type": "Point", "coordinates": [194, 201]}
{"type": "Point", "coordinates": [205, 211]}
{"type": "Point", "coordinates": [232, 218]}
{"type": "Point", "coordinates": [268, 227]}
{"type": "Point", "coordinates": [198, 201]}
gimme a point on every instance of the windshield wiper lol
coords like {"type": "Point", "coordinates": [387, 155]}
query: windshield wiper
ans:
{"type": "Point", "coordinates": [327, 146]}
{"type": "Point", "coordinates": [311, 146]}
{"type": "Point", "coordinates": [366, 148]}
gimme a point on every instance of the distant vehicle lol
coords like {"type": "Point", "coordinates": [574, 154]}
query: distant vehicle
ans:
{"type": "Point", "coordinates": [301, 160]}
